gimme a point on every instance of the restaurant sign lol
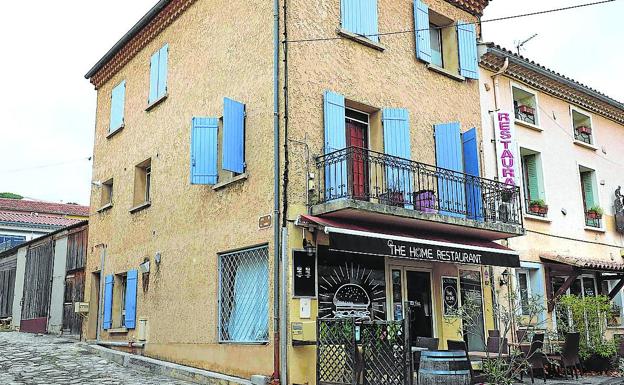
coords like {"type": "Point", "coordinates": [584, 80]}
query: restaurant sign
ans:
{"type": "Point", "coordinates": [423, 250]}
{"type": "Point", "coordinates": [507, 159]}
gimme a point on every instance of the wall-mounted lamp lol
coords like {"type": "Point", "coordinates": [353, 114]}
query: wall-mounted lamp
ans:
{"type": "Point", "coordinates": [309, 247]}
{"type": "Point", "coordinates": [504, 279]}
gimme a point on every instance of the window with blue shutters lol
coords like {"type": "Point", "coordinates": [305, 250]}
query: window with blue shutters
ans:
{"type": "Point", "coordinates": [467, 43]}
{"type": "Point", "coordinates": [158, 74]}
{"type": "Point", "coordinates": [204, 137]}
{"type": "Point", "coordinates": [423, 38]}
{"type": "Point", "coordinates": [118, 98]}
{"type": "Point", "coordinates": [360, 17]}
{"type": "Point", "coordinates": [451, 188]}
{"type": "Point", "coordinates": [108, 302]}
{"type": "Point", "coordinates": [233, 136]}
{"type": "Point", "coordinates": [130, 302]}
{"type": "Point", "coordinates": [335, 140]}
{"type": "Point", "coordinates": [396, 133]}
{"type": "Point", "coordinates": [474, 198]}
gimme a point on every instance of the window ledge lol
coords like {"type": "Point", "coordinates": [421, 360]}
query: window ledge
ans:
{"type": "Point", "coordinates": [537, 218]}
{"type": "Point", "coordinates": [586, 145]}
{"type": "Point", "coordinates": [360, 39]}
{"type": "Point", "coordinates": [140, 206]}
{"type": "Point", "coordinates": [226, 183]}
{"type": "Point", "coordinates": [115, 131]}
{"type": "Point", "coordinates": [156, 102]}
{"type": "Point", "coordinates": [528, 125]}
{"type": "Point", "coordinates": [595, 229]}
{"type": "Point", "coordinates": [117, 331]}
{"type": "Point", "coordinates": [446, 72]}
{"type": "Point", "coordinates": [107, 206]}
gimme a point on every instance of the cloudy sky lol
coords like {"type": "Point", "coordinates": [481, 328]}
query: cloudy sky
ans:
{"type": "Point", "coordinates": [47, 108]}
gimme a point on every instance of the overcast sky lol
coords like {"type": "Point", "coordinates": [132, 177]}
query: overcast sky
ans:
{"type": "Point", "coordinates": [47, 108]}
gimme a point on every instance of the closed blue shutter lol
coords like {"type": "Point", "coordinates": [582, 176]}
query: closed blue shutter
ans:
{"type": "Point", "coordinates": [108, 302]}
{"type": "Point", "coordinates": [233, 136]}
{"type": "Point", "coordinates": [360, 17]}
{"type": "Point", "coordinates": [423, 39]}
{"type": "Point", "coordinates": [163, 62]}
{"type": "Point", "coordinates": [131, 299]}
{"type": "Point", "coordinates": [474, 201]}
{"type": "Point", "coordinates": [451, 189]}
{"type": "Point", "coordinates": [335, 140]}
{"type": "Point", "coordinates": [153, 90]}
{"type": "Point", "coordinates": [396, 133]}
{"type": "Point", "coordinates": [204, 150]}
{"type": "Point", "coordinates": [468, 58]}
{"type": "Point", "coordinates": [118, 98]}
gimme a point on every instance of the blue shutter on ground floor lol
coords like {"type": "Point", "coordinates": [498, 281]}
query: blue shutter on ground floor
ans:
{"type": "Point", "coordinates": [360, 17]}
{"type": "Point", "coordinates": [421, 27]}
{"type": "Point", "coordinates": [538, 292]}
{"type": "Point", "coordinates": [131, 299]}
{"type": "Point", "coordinates": [204, 150]}
{"type": "Point", "coordinates": [108, 302]}
{"type": "Point", "coordinates": [474, 202]}
{"type": "Point", "coordinates": [396, 132]}
{"type": "Point", "coordinates": [468, 57]}
{"type": "Point", "coordinates": [451, 187]}
{"type": "Point", "coordinates": [233, 136]}
{"type": "Point", "coordinates": [335, 140]}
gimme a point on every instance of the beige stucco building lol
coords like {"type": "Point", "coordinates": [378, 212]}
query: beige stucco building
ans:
{"type": "Point", "coordinates": [568, 146]}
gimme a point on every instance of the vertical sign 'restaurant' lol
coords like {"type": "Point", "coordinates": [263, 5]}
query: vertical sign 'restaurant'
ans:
{"type": "Point", "coordinates": [507, 158]}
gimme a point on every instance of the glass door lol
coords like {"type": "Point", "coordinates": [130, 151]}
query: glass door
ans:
{"type": "Point", "coordinates": [471, 293]}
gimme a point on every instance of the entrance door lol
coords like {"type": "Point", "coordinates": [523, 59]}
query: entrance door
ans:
{"type": "Point", "coordinates": [74, 289]}
{"type": "Point", "coordinates": [471, 292]}
{"type": "Point", "coordinates": [412, 289]}
{"type": "Point", "coordinates": [358, 164]}
{"type": "Point", "coordinates": [37, 288]}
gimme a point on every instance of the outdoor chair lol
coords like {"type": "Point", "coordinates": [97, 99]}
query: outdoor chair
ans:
{"type": "Point", "coordinates": [497, 345]}
{"type": "Point", "coordinates": [424, 342]}
{"type": "Point", "coordinates": [535, 356]}
{"type": "Point", "coordinates": [569, 357]}
{"type": "Point", "coordinates": [461, 345]}
{"type": "Point", "coordinates": [494, 333]}
{"type": "Point", "coordinates": [522, 335]}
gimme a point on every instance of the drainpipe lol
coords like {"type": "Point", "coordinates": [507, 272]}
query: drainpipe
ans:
{"type": "Point", "coordinates": [496, 84]}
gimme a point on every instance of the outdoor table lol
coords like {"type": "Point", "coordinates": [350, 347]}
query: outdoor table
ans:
{"type": "Point", "coordinates": [485, 355]}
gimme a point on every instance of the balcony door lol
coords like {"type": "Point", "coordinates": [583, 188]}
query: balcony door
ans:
{"type": "Point", "coordinates": [357, 140]}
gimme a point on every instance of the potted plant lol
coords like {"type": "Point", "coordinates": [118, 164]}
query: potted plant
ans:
{"type": "Point", "coordinates": [594, 212]}
{"type": "Point", "coordinates": [538, 206]}
{"type": "Point", "coordinates": [526, 109]}
{"type": "Point", "coordinates": [584, 130]}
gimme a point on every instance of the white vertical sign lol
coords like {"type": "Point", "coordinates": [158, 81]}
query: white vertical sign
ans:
{"type": "Point", "coordinates": [507, 158]}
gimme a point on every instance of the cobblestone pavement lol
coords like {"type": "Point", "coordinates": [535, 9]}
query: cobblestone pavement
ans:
{"type": "Point", "coordinates": [27, 359]}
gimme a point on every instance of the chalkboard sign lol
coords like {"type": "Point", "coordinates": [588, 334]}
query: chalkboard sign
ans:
{"type": "Point", "coordinates": [304, 274]}
{"type": "Point", "coordinates": [449, 295]}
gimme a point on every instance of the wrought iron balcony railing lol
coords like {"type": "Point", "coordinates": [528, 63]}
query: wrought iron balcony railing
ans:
{"type": "Point", "coordinates": [366, 175]}
{"type": "Point", "coordinates": [593, 220]}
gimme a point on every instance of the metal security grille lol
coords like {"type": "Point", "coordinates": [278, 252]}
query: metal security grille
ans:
{"type": "Point", "coordinates": [336, 352]}
{"type": "Point", "coordinates": [244, 296]}
{"type": "Point", "coordinates": [385, 350]}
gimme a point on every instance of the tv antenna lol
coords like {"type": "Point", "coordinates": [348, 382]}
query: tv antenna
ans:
{"type": "Point", "coordinates": [522, 43]}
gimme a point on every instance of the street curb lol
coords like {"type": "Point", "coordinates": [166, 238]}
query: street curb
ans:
{"type": "Point", "coordinates": [169, 369]}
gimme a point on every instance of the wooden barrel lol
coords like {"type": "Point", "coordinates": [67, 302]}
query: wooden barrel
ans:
{"type": "Point", "coordinates": [450, 367]}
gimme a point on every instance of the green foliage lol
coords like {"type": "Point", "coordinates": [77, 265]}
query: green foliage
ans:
{"type": "Point", "coordinates": [537, 202]}
{"type": "Point", "coordinates": [596, 209]}
{"type": "Point", "coordinates": [9, 195]}
{"type": "Point", "coordinates": [588, 317]}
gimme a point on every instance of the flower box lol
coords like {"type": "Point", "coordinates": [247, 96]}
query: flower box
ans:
{"type": "Point", "coordinates": [584, 130]}
{"type": "Point", "coordinates": [537, 209]}
{"type": "Point", "coordinates": [594, 215]}
{"type": "Point", "coordinates": [526, 109]}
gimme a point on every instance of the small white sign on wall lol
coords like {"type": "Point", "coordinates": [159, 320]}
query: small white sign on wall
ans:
{"type": "Point", "coordinates": [507, 157]}
{"type": "Point", "coordinates": [305, 305]}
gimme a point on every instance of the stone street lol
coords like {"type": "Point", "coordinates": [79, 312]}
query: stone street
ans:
{"type": "Point", "coordinates": [27, 359]}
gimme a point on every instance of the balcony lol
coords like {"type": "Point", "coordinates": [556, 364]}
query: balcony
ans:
{"type": "Point", "coordinates": [360, 184]}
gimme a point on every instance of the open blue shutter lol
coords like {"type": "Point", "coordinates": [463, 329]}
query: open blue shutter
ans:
{"type": "Point", "coordinates": [118, 97]}
{"type": "Point", "coordinates": [131, 299]}
{"type": "Point", "coordinates": [423, 39]}
{"type": "Point", "coordinates": [335, 140]}
{"type": "Point", "coordinates": [153, 87]}
{"type": "Point", "coordinates": [468, 58]}
{"type": "Point", "coordinates": [360, 17]}
{"type": "Point", "coordinates": [163, 60]}
{"type": "Point", "coordinates": [204, 150]}
{"type": "Point", "coordinates": [397, 143]}
{"type": "Point", "coordinates": [474, 200]}
{"type": "Point", "coordinates": [233, 136]}
{"type": "Point", "coordinates": [538, 285]}
{"type": "Point", "coordinates": [451, 189]}
{"type": "Point", "coordinates": [108, 302]}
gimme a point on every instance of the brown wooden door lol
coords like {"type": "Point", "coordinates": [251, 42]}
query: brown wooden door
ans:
{"type": "Point", "coordinates": [74, 292]}
{"type": "Point", "coordinates": [37, 288]}
{"type": "Point", "coordinates": [358, 164]}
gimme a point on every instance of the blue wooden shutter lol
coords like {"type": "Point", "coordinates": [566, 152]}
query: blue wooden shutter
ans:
{"type": "Point", "coordinates": [153, 87]}
{"type": "Point", "coordinates": [108, 301]}
{"type": "Point", "coordinates": [360, 17]}
{"type": "Point", "coordinates": [233, 136]}
{"type": "Point", "coordinates": [335, 140]}
{"type": "Point", "coordinates": [451, 189]}
{"type": "Point", "coordinates": [118, 97]}
{"type": "Point", "coordinates": [588, 189]}
{"type": "Point", "coordinates": [204, 150]}
{"type": "Point", "coordinates": [163, 60]}
{"type": "Point", "coordinates": [131, 299]}
{"type": "Point", "coordinates": [530, 162]}
{"type": "Point", "coordinates": [397, 143]}
{"type": "Point", "coordinates": [468, 58]}
{"type": "Point", "coordinates": [423, 39]}
{"type": "Point", "coordinates": [474, 200]}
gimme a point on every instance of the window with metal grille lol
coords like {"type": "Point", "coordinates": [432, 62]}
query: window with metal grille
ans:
{"type": "Point", "coordinates": [244, 296]}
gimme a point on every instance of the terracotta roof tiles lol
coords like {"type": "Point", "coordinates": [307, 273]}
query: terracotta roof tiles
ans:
{"type": "Point", "coordinates": [29, 206]}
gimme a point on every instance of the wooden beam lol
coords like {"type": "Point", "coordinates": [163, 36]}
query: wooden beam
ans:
{"type": "Point", "coordinates": [616, 289]}
{"type": "Point", "coordinates": [566, 285]}
{"type": "Point", "coordinates": [560, 268]}
{"type": "Point", "coordinates": [548, 288]}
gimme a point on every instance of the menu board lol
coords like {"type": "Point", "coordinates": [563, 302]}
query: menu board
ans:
{"type": "Point", "coordinates": [449, 295]}
{"type": "Point", "coordinates": [304, 274]}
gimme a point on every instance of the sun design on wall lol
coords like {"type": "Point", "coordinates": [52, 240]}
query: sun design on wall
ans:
{"type": "Point", "coordinates": [351, 292]}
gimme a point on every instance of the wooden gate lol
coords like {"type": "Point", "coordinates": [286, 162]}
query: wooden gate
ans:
{"type": "Point", "coordinates": [7, 285]}
{"type": "Point", "coordinates": [37, 288]}
{"type": "Point", "coordinates": [74, 280]}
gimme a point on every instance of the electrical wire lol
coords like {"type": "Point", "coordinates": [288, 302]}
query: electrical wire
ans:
{"type": "Point", "coordinates": [573, 239]}
{"type": "Point", "coordinates": [454, 24]}
{"type": "Point", "coordinates": [88, 158]}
